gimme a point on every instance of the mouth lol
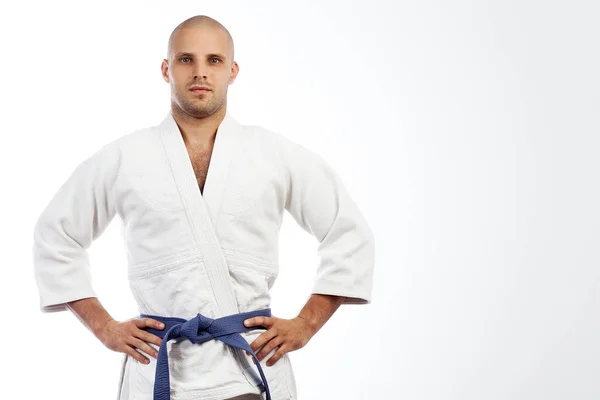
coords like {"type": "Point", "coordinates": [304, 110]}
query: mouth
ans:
{"type": "Point", "coordinates": [200, 89]}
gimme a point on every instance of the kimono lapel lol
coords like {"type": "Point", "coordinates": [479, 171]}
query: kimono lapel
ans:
{"type": "Point", "coordinates": [226, 145]}
{"type": "Point", "coordinates": [202, 212]}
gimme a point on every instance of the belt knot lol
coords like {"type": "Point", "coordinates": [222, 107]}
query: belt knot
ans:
{"type": "Point", "coordinates": [198, 330]}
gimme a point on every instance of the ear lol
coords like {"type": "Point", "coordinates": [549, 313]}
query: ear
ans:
{"type": "Point", "coordinates": [235, 69]}
{"type": "Point", "coordinates": [164, 68]}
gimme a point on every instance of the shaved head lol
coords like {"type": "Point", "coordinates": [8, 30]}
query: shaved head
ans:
{"type": "Point", "coordinates": [199, 67]}
{"type": "Point", "coordinates": [200, 21]}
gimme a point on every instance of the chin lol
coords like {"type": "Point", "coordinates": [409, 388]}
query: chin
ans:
{"type": "Point", "coordinates": [202, 112]}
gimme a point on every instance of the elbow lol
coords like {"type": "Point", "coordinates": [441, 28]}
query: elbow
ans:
{"type": "Point", "coordinates": [368, 240]}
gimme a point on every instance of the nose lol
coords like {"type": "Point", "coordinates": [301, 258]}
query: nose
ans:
{"type": "Point", "coordinates": [199, 72]}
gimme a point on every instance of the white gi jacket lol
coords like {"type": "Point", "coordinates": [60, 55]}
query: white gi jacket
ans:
{"type": "Point", "coordinates": [214, 254]}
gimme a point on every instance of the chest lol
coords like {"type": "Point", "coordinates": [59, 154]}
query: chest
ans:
{"type": "Point", "coordinates": [200, 157]}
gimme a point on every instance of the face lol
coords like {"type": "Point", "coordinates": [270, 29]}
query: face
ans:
{"type": "Point", "coordinates": [200, 56]}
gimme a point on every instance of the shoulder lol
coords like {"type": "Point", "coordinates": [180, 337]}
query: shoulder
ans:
{"type": "Point", "coordinates": [133, 140]}
{"type": "Point", "coordinates": [136, 138]}
{"type": "Point", "coordinates": [291, 152]}
{"type": "Point", "coordinates": [112, 153]}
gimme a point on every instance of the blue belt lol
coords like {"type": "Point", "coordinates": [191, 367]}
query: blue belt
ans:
{"type": "Point", "coordinates": [198, 330]}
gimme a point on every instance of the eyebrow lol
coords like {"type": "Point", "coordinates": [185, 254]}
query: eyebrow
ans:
{"type": "Point", "coordinates": [180, 54]}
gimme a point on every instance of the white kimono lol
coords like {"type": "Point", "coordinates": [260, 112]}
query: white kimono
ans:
{"type": "Point", "coordinates": [214, 253]}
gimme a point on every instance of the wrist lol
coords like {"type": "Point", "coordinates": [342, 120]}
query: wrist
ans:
{"type": "Point", "coordinates": [98, 327]}
{"type": "Point", "coordinates": [310, 322]}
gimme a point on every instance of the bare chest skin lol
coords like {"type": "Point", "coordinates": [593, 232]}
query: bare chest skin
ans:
{"type": "Point", "coordinates": [200, 158]}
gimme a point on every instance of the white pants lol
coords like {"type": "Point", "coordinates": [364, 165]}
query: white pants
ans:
{"type": "Point", "coordinates": [124, 389]}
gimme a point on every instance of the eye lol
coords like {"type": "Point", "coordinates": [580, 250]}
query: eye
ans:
{"type": "Point", "coordinates": [214, 58]}
{"type": "Point", "coordinates": [184, 58]}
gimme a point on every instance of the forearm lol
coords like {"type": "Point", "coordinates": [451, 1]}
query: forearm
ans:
{"type": "Point", "coordinates": [318, 309]}
{"type": "Point", "coordinates": [91, 313]}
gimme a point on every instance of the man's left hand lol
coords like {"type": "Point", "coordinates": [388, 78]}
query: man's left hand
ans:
{"type": "Point", "coordinates": [287, 334]}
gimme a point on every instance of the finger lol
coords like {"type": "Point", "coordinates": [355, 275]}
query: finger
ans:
{"type": "Point", "coordinates": [148, 323]}
{"type": "Point", "coordinates": [267, 322]}
{"type": "Point", "coordinates": [268, 347]}
{"type": "Point", "coordinates": [143, 346]}
{"type": "Point", "coordinates": [263, 339]}
{"type": "Point", "coordinates": [278, 354]}
{"type": "Point", "coordinates": [135, 354]}
{"type": "Point", "coordinates": [148, 337]}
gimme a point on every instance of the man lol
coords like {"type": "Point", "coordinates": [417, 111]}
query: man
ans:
{"type": "Point", "coordinates": [202, 242]}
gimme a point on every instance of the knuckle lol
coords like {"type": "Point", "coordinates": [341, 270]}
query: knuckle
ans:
{"type": "Point", "coordinates": [146, 337]}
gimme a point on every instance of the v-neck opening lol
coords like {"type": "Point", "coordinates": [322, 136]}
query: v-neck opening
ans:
{"type": "Point", "coordinates": [224, 146]}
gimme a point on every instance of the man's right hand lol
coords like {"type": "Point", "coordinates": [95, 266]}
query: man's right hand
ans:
{"type": "Point", "coordinates": [126, 337]}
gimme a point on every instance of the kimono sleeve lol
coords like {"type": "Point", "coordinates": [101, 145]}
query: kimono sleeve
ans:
{"type": "Point", "coordinates": [76, 215]}
{"type": "Point", "coordinates": [320, 204]}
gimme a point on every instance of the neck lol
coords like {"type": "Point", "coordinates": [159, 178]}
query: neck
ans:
{"type": "Point", "coordinates": [198, 131]}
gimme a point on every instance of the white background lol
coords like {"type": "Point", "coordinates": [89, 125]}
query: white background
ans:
{"type": "Point", "coordinates": [467, 132]}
